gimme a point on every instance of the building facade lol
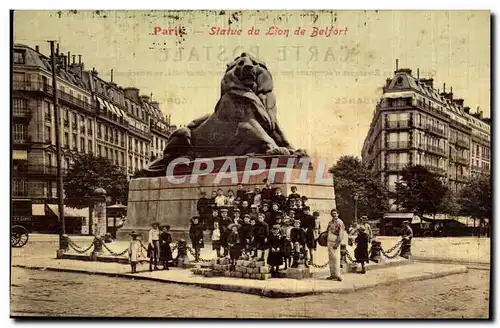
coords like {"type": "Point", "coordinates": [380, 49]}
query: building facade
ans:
{"type": "Point", "coordinates": [97, 117]}
{"type": "Point", "coordinates": [416, 124]}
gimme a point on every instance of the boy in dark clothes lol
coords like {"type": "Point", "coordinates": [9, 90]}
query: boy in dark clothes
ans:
{"type": "Point", "coordinates": [236, 216]}
{"type": "Point", "coordinates": [234, 243]}
{"type": "Point", "coordinates": [361, 251]}
{"type": "Point", "coordinates": [240, 193]}
{"type": "Point", "coordinates": [275, 257]}
{"type": "Point", "coordinates": [287, 243]}
{"type": "Point", "coordinates": [298, 239]}
{"type": "Point", "coordinates": [267, 192]}
{"type": "Point", "coordinates": [196, 235]}
{"type": "Point", "coordinates": [274, 212]}
{"type": "Point", "coordinates": [250, 238]}
{"type": "Point", "coordinates": [212, 198]}
{"type": "Point", "coordinates": [165, 250]}
{"type": "Point", "coordinates": [224, 223]}
{"type": "Point", "coordinates": [265, 210]}
{"type": "Point", "coordinates": [309, 224]}
{"type": "Point", "coordinates": [299, 209]}
{"type": "Point", "coordinates": [294, 195]}
{"type": "Point", "coordinates": [244, 208]}
{"type": "Point", "coordinates": [243, 232]}
{"type": "Point", "coordinates": [214, 217]}
{"type": "Point", "coordinates": [262, 232]}
{"type": "Point", "coordinates": [204, 210]}
{"type": "Point", "coordinates": [280, 199]}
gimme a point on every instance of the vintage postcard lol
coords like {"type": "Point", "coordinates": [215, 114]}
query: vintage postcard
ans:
{"type": "Point", "coordinates": [251, 164]}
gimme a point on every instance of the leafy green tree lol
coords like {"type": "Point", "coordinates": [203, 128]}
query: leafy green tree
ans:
{"type": "Point", "coordinates": [352, 179]}
{"type": "Point", "coordinates": [450, 204]}
{"type": "Point", "coordinates": [88, 173]}
{"type": "Point", "coordinates": [475, 198]}
{"type": "Point", "coordinates": [420, 191]}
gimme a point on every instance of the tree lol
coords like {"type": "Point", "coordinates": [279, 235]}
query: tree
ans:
{"type": "Point", "coordinates": [450, 204]}
{"type": "Point", "coordinates": [475, 198]}
{"type": "Point", "coordinates": [88, 173]}
{"type": "Point", "coordinates": [352, 178]}
{"type": "Point", "coordinates": [420, 191]}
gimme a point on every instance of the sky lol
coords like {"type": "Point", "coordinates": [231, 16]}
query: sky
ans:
{"type": "Point", "coordinates": [327, 80]}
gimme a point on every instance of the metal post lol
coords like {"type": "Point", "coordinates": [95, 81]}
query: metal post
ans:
{"type": "Point", "coordinates": [57, 119]}
{"type": "Point", "coordinates": [356, 209]}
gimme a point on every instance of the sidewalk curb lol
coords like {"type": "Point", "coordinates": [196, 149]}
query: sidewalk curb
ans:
{"type": "Point", "coordinates": [253, 290]}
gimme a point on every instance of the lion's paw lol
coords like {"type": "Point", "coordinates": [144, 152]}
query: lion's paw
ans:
{"type": "Point", "coordinates": [278, 151]}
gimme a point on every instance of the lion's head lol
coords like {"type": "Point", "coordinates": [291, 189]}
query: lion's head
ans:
{"type": "Point", "coordinates": [247, 73]}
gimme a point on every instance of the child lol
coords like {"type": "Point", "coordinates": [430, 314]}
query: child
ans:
{"type": "Point", "coordinates": [216, 238]}
{"type": "Point", "coordinates": [244, 207]}
{"type": "Point", "coordinates": [233, 242]}
{"type": "Point", "coordinates": [262, 232]}
{"type": "Point", "coordinates": [287, 243]}
{"type": "Point", "coordinates": [361, 251]}
{"type": "Point", "coordinates": [236, 216]}
{"type": "Point", "coordinates": [154, 246]}
{"type": "Point", "coordinates": [294, 195]}
{"type": "Point", "coordinates": [213, 218]}
{"type": "Point", "coordinates": [250, 237]}
{"type": "Point", "coordinates": [134, 251]}
{"type": "Point", "coordinates": [220, 199]}
{"type": "Point", "coordinates": [257, 198]}
{"type": "Point", "coordinates": [230, 198]}
{"type": "Point", "coordinates": [165, 250]}
{"type": "Point", "coordinates": [308, 223]}
{"type": "Point", "coordinates": [240, 193]}
{"type": "Point", "coordinates": [298, 239]}
{"type": "Point", "coordinates": [279, 199]}
{"type": "Point", "coordinates": [243, 232]}
{"type": "Point", "coordinates": [196, 235]}
{"type": "Point", "coordinates": [275, 257]}
{"type": "Point", "coordinates": [317, 225]}
{"type": "Point", "coordinates": [224, 223]}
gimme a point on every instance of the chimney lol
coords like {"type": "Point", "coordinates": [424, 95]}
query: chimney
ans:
{"type": "Point", "coordinates": [459, 102]}
{"type": "Point", "coordinates": [69, 59]}
{"type": "Point", "coordinates": [79, 59]}
{"type": "Point", "coordinates": [57, 50]}
{"type": "Point", "coordinates": [444, 87]}
{"type": "Point", "coordinates": [155, 104]}
{"type": "Point", "coordinates": [418, 74]}
{"type": "Point", "coordinates": [132, 94]}
{"type": "Point", "coordinates": [467, 109]}
{"type": "Point", "coordinates": [37, 48]}
{"type": "Point", "coordinates": [111, 75]}
{"type": "Point", "coordinates": [74, 59]}
{"type": "Point", "coordinates": [397, 64]}
{"type": "Point", "coordinates": [145, 98]}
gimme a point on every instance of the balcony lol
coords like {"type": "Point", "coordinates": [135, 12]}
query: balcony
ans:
{"type": "Point", "coordinates": [21, 138]}
{"type": "Point", "coordinates": [38, 86]}
{"type": "Point", "coordinates": [395, 166]}
{"type": "Point", "coordinates": [435, 169]}
{"type": "Point", "coordinates": [434, 130]}
{"type": "Point", "coordinates": [37, 170]}
{"type": "Point", "coordinates": [435, 150]}
{"type": "Point", "coordinates": [397, 144]}
{"type": "Point", "coordinates": [462, 142]}
{"type": "Point", "coordinates": [433, 111]}
{"type": "Point", "coordinates": [398, 124]}
{"type": "Point", "coordinates": [22, 112]}
{"type": "Point", "coordinates": [476, 168]}
{"type": "Point", "coordinates": [139, 132]}
{"type": "Point", "coordinates": [462, 160]}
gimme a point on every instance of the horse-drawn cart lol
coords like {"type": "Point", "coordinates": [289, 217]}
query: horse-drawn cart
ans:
{"type": "Point", "coordinates": [19, 236]}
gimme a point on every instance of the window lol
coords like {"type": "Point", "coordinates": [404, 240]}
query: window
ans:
{"type": "Point", "coordinates": [66, 140]}
{"type": "Point", "coordinates": [136, 145]}
{"type": "Point", "coordinates": [82, 120]}
{"type": "Point", "coordinates": [136, 163]}
{"type": "Point", "coordinates": [82, 145]}
{"type": "Point", "coordinates": [89, 125]}
{"type": "Point", "coordinates": [130, 162]}
{"type": "Point", "coordinates": [66, 162]}
{"type": "Point", "coordinates": [19, 56]}
{"type": "Point", "coordinates": [142, 148]}
{"type": "Point", "coordinates": [106, 152]}
{"type": "Point", "coordinates": [46, 109]}
{"type": "Point", "coordinates": [142, 164]}
{"type": "Point", "coordinates": [116, 157]}
{"type": "Point", "coordinates": [20, 105]}
{"type": "Point", "coordinates": [48, 134]}
{"type": "Point", "coordinates": [89, 146]}
{"type": "Point", "coordinates": [66, 115]}
{"type": "Point", "coordinates": [99, 150]}
{"type": "Point", "coordinates": [49, 159]}
{"type": "Point", "coordinates": [73, 142]}
{"type": "Point", "coordinates": [122, 158]}
{"type": "Point", "coordinates": [156, 141]}
{"type": "Point", "coordinates": [20, 133]}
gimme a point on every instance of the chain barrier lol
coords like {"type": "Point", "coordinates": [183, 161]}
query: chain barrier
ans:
{"type": "Point", "coordinates": [113, 253]}
{"type": "Point", "coordinates": [386, 253]}
{"type": "Point", "coordinates": [194, 255]}
{"type": "Point", "coordinates": [77, 248]}
{"type": "Point", "coordinates": [349, 257]}
{"type": "Point", "coordinates": [314, 265]}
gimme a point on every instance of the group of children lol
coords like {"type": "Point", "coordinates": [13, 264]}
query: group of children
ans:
{"type": "Point", "coordinates": [255, 223]}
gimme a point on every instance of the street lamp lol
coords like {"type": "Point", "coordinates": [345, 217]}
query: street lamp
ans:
{"type": "Point", "coordinates": [356, 208]}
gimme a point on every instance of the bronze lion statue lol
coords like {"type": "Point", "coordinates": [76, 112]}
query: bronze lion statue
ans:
{"type": "Point", "coordinates": [243, 122]}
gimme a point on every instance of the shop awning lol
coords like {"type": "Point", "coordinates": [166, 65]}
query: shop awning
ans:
{"type": "Point", "coordinates": [70, 211]}
{"type": "Point", "coordinates": [38, 209]}
{"type": "Point", "coordinates": [21, 155]}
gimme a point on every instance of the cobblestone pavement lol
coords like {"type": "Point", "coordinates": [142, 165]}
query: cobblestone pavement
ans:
{"type": "Point", "coordinates": [44, 293]}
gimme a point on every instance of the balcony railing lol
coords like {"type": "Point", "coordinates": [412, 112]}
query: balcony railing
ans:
{"type": "Point", "coordinates": [435, 169]}
{"type": "Point", "coordinates": [397, 144]}
{"type": "Point", "coordinates": [427, 108]}
{"type": "Point", "coordinates": [21, 138]}
{"type": "Point", "coordinates": [23, 112]}
{"type": "Point", "coordinates": [462, 142]}
{"type": "Point", "coordinates": [434, 130]}
{"type": "Point", "coordinates": [476, 168]}
{"type": "Point", "coordinates": [398, 124]}
{"type": "Point", "coordinates": [461, 160]}
{"type": "Point", "coordinates": [46, 88]}
{"type": "Point", "coordinates": [37, 169]}
{"type": "Point", "coordinates": [395, 166]}
{"type": "Point", "coordinates": [436, 150]}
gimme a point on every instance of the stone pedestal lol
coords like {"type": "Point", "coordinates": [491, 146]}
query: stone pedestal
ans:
{"type": "Point", "coordinates": [169, 202]}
